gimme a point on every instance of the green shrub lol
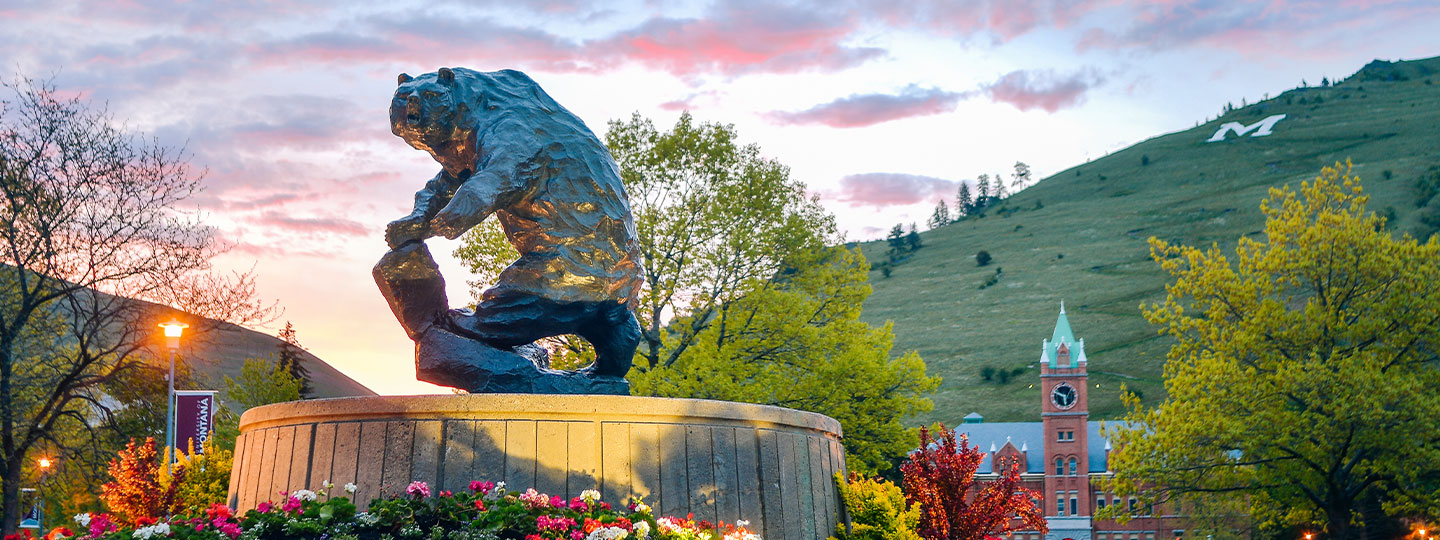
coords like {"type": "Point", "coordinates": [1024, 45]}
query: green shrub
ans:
{"type": "Point", "coordinates": [877, 510]}
{"type": "Point", "coordinates": [987, 372]}
{"type": "Point", "coordinates": [982, 258]}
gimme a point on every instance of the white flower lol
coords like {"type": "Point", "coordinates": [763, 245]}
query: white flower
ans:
{"type": "Point", "coordinates": [590, 496]}
{"type": "Point", "coordinates": [641, 507]}
{"type": "Point", "coordinates": [350, 487]}
{"type": "Point", "coordinates": [159, 529]}
{"type": "Point", "coordinates": [83, 519]}
{"type": "Point", "coordinates": [326, 484]}
{"type": "Point", "coordinates": [608, 533]}
{"type": "Point", "coordinates": [303, 494]}
{"type": "Point", "coordinates": [642, 529]}
{"type": "Point", "coordinates": [742, 523]}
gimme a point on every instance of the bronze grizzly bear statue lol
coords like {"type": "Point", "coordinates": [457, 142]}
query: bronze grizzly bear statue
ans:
{"type": "Point", "coordinates": [507, 149]}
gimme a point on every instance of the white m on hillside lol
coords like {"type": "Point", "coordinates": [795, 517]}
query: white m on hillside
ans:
{"type": "Point", "coordinates": [1261, 128]}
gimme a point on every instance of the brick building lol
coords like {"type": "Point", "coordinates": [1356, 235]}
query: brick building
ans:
{"type": "Point", "coordinates": [1064, 455]}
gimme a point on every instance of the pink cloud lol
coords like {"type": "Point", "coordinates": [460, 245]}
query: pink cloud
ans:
{"type": "Point", "coordinates": [1042, 89]}
{"type": "Point", "coordinates": [860, 110]}
{"type": "Point", "coordinates": [892, 189]}
{"type": "Point", "coordinates": [737, 38]}
{"type": "Point", "coordinates": [330, 225]}
{"type": "Point", "coordinates": [1253, 28]}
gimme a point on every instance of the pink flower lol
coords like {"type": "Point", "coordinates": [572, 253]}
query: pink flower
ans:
{"type": "Point", "coordinates": [604, 505]}
{"type": "Point", "coordinates": [547, 523]}
{"type": "Point", "coordinates": [101, 524]}
{"type": "Point", "coordinates": [577, 535]}
{"type": "Point", "coordinates": [557, 502]}
{"type": "Point", "coordinates": [481, 487]}
{"type": "Point", "coordinates": [446, 493]}
{"type": "Point", "coordinates": [231, 530]}
{"type": "Point", "coordinates": [264, 507]}
{"type": "Point", "coordinates": [418, 489]}
{"type": "Point", "coordinates": [291, 506]}
{"type": "Point", "coordinates": [199, 527]}
{"type": "Point", "coordinates": [534, 500]}
{"type": "Point", "coordinates": [579, 505]}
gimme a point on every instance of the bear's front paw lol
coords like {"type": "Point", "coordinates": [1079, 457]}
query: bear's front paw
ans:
{"type": "Point", "coordinates": [404, 230]}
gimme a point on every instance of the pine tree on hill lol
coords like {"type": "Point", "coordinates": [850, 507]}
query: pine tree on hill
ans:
{"type": "Point", "coordinates": [912, 240]}
{"type": "Point", "coordinates": [1000, 192]}
{"type": "Point", "coordinates": [1021, 176]}
{"type": "Point", "coordinates": [940, 217]}
{"type": "Point", "coordinates": [291, 359]}
{"type": "Point", "coordinates": [896, 239]}
{"type": "Point", "coordinates": [963, 202]}
{"type": "Point", "coordinates": [982, 198]}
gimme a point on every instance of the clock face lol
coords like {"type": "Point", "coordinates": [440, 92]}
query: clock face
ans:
{"type": "Point", "coordinates": [1063, 395]}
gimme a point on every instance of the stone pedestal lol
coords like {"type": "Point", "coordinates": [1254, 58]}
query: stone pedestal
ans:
{"type": "Point", "coordinates": [722, 461]}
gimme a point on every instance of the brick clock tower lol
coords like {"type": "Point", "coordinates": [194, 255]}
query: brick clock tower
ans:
{"type": "Point", "coordinates": [1064, 414]}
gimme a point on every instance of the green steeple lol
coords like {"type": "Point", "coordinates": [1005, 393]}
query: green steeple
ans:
{"type": "Point", "coordinates": [1062, 335]}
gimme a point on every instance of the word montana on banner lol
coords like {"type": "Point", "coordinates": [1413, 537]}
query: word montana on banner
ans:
{"type": "Point", "coordinates": [1261, 128]}
{"type": "Point", "coordinates": [194, 419]}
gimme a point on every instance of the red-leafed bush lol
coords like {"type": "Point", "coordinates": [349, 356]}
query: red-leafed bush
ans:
{"type": "Point", "coordinates": [135, 493]}
{"type": "Point", "coordinates": [940, 477]}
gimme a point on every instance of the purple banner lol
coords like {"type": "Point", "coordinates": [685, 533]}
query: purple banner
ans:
{"type": "Point", "coordinates": [194, 419]}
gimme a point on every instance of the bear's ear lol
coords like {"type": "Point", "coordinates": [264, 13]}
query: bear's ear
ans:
{"type": "Point", "coordinates": [404, 78]}
{"type": "Point", "coordinates": [446, 76]}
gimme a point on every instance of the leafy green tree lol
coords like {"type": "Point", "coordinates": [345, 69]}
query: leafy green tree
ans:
{"type": "Point", "coordinates": [89, 222]}
{"type": "Point", "coordinates": [877, 510]}
{"type": "Point", "coordinates": [1304, 372]}
{"type": "Point", "coordinates": [797, 341]}
{"type": "Point", "coordinates": [744, 298]}
{"type": "Point", "coordinates": [261, 381]}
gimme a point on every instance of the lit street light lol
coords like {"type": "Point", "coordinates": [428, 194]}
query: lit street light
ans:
{"type": "Point", "coordinates": [173, 330]}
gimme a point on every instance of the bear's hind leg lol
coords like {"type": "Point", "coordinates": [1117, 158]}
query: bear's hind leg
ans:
{"type": "Point", "coordinates": [614, 334]}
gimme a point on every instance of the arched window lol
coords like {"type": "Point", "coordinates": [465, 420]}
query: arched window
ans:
{"type": "Point", "coordinates": [1059, 466]}
{"type": "Point", "coordinates": [1073, 463]}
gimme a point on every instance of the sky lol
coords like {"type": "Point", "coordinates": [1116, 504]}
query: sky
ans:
{"type": "Point", "coordinates": [880, 107]}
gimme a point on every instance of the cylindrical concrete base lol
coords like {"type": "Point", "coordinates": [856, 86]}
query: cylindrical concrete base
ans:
{"type": "Point", "coordinates": [722, 461]}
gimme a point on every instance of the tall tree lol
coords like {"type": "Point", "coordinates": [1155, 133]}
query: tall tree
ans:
{"type": "Point", "coordinates": [940, 478]}
{"type": "Point", "coordinates": [89, 220]}
{"type": "Point", "coordinates": [1304, 372]}
{"type": "Point", "coordinates": [1021, 177]}
{"type": "Point", "coordinates": [744, 299]}
{"type": "Point", "coordinates": [982, 192]}
{"type": "Point", "coordinates": [896, 241]}
{"type": "Point", "coordinates": [940, 217]}
{"type": "Point", "coordinates": [912, 239]}
{"type": "Point", "coordinates": [963, 203]}
{"type": "Point", "coordinates": [291, 358]}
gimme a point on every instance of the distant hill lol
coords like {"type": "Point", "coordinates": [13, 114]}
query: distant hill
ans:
{"type": "Point", "coordinates": [223, 351]}
{"type": "Point", "coordinates": [1080, 236]}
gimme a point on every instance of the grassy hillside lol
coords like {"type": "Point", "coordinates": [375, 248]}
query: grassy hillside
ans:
{"type": "Point", "coordinates": [1080, 236]}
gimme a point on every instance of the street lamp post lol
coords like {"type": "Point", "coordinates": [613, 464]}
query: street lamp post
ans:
{"type": "Point", "coordinates": [44, 463]}
{"type": "Point", "coordinates": [173, 330]}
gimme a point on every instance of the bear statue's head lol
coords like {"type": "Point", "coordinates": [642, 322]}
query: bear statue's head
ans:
{"type": "Point", "coordinates": [429, 111]}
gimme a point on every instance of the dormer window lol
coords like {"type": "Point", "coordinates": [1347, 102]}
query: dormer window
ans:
{"type": "Point", "coordinates": [1062, 355]}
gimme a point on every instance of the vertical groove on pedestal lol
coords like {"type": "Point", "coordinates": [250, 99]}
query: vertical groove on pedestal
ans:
{"type": "Point", "coordinates": [644, 472]}
{"type": "Point", "coordinates": [674, 488]}
{"type": "Point", "coordinates": [323, 453]}
{"type": "Point", "coordinates": [520, 454]}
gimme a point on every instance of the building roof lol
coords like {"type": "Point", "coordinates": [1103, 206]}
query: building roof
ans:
{"type": "Point", "coordinates": [1062, 336]}
{"type": "Point", "coordinates": [1030, 435]}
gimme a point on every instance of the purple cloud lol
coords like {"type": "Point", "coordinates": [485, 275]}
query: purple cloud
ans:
{"type": "Point", "coordinates": [1042, 89]}
{"type": "Point", "coordinates": [892, 189]}
{"type": "Point", "coordinates": [860, 110]}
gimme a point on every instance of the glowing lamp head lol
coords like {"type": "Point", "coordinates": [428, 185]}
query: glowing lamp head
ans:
{"type": "Point", "coordinates": [173, 329]}
{"type": "Point", "coordinates": [45, 463]}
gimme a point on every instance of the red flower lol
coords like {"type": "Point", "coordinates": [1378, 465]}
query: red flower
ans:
{"type": "Point", "coordinates": [480, 505]}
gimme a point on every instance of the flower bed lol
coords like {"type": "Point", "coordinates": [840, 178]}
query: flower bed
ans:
{"type": "Point", "coordinates": [486, 511]}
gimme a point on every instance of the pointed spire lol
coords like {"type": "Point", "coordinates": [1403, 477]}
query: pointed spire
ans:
{"type": "Point", "coordinates": [1107, 445]}
{"type": "Point", "coordinates": [1025, 446]}
{"type": "Point", "coordinates": [1062, 306]}
{"type": "Point", "coordinates": [992, 447]}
